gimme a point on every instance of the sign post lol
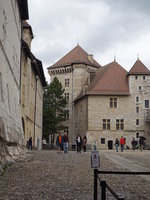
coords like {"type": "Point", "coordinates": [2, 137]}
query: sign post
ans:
{"type": "Point", "coordinates": [95, 163]}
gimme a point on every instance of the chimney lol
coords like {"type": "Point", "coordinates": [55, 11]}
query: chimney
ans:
{"type": "Point", "coordinates": [92, 75]}
{"type": "Point", "coordinates": [90, 58]}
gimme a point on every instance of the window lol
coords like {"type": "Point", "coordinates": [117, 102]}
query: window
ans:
{"type": "Point", "coordinates": [137, 122]}
{"type": "Point", "coordinates": [113, 102]}
{"type": "Point", "coordinates": [106, 124]}
{"type": "Point", "coordinates": [102, 140]}
{"type": "Point", "coordinates": [136, 77]}
{"type": "Point", "coordinates": [144, 77]}
{"type": "Point", "coordinates": [146, 103]}
{"type": "Point", "coordinates": [67, 82]}
{"type": "Point", "coordinates": [66, 114]}
{"type": "Point", "coordinates": [119, 124]}
{"type": "Point", "coordinates": [137, 109]}
{"type": "Point", "coordinates": [140, 87]}
{"type": "Point", "coordinates": [67, 96]}
{"type": "Point", "coordinates": [137, 135]}
{"type": "Point", "coordinates": [137, 99]}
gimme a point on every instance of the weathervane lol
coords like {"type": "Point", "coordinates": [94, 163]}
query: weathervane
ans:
{"type": "Point", "coordinates": [114, 56]}
{"type": "Point", "coordinates": [138, 56]}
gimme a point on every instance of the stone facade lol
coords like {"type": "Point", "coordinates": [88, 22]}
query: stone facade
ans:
{"type": "Point", "coordinates": [93, 91]}
{"type": "Point", "coordinates": [32, 82]}
{"type": "Point", "coordinates": [11, 133]}
{"type": "Point", "coordinates": [91, 110]}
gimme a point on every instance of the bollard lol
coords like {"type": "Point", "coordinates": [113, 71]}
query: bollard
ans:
{"type": "Point", "coordinates": [95, 183]}
{"type": "Point", "coordinates": [103, 190]}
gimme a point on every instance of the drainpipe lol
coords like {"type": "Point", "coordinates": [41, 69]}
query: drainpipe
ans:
{"type": "Point", "coordinates": [72, 105]}
{"type": "Point", "coordinates": [36, 79]}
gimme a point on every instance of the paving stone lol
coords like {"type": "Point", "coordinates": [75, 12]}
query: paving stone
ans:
{"type": "Point", "coordinates": [49, 175]}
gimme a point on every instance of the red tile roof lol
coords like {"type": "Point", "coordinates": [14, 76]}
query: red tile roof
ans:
{"type": "Point", "coordinates": [110, 80]}
{"type": "Point", "coordinates": [76, 56]}
{"type": "Point", "coordinates": [139, 69]}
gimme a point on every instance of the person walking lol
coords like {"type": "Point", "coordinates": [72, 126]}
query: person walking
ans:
{"type": "Point", "coordinates": [30, 143]}
{"type": "Point", "coordinates": [141, 142]}
{"type": "Point", "coordinates": [134, 144]}
{"type": "Point", "coordinates": [84, 143]}
{"type": "Point", "coordinates": [44, 143]}
{"type": "Point", "coordinates": [78, 142]}
{"type": "Point", "coordinates": [59, 142]}
{"type": "Point", "coordinates": [117, 144]}
{"type": "Point", "coordinates": [65, 142]}
{"type": "Point", "coordinates": [95, 145]}
{"type": "Point", "coordinates": [122, 143]}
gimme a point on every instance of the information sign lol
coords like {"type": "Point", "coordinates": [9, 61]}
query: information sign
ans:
{"type": "Point", "coordinates": [95, 159]}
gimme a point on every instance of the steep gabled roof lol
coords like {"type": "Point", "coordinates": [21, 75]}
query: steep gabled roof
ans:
{"type": "Point", "coordinates": [139, 69]}
{"type": "Point", "coordinates": [76, 56]}
{"type": "Point", "coordinates": [110, 80]}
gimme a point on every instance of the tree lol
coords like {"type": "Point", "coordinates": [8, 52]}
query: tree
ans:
{"type": "Point", "coordinates": [53, 108]}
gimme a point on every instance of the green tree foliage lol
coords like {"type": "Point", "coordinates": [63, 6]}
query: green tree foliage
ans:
{"type": "Point", "coordinates": [53, 108]}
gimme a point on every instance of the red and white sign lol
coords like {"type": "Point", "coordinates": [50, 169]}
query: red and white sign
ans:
{"type": "Point", "coordinates": [95, 159]}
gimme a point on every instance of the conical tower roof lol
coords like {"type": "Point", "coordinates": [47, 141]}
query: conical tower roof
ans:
{"type": "Point", "coordinates": [76, 56]}
{"type": "Point", "coordinates": [139, 69]}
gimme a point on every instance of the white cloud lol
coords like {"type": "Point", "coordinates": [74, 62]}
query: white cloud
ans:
{"type": "Point", "coordinates": [101, 26]}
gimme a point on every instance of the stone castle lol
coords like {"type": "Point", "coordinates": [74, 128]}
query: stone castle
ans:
{"type": "Point", "coordinates": [104, 103]}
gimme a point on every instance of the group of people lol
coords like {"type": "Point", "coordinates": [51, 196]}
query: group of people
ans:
{"type": "Point", "coordinates": [62, 142]}
{"type": "Point", "coordinates": [81, 142]}
{"type": "Point", "coordinates": [121, 143]}
{"type": "Point", "coordinates": [134, 143]}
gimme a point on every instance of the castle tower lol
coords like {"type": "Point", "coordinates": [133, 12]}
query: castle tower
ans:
{"type": "Point", "coordinates": [139, 84]}
{"type": "Point", "coordinates": [72, 71]}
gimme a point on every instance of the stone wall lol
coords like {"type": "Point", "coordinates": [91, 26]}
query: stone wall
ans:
{"type": "Point", "coordinates": [31, 95]}
{"type": "Point", "coordinates": [81, 118]}
{"type": "Point", "coordinates": [99, 109]}
{"type": "Point", "coordinates": [11, 133]}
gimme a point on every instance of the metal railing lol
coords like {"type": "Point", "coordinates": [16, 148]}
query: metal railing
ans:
{"type": "Point", "coordinates": [104, 185]}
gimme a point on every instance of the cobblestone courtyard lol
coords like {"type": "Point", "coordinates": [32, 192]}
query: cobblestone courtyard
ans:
{"type": "Point", "coordinates": [49, 175]}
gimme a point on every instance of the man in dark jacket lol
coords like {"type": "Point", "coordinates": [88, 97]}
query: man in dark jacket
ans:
{"type": "Point", "coordinates": [79, 143]}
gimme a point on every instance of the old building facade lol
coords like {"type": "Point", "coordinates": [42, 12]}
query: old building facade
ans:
{"type": "Point", "coordinates": [116, 104]}
{"type": "Point", "coordinates": [32, 83]}
{"type": "Point", "coordinates": [11, 134]}
{"type": "Point", "coordinates": [72, 71]}
{"type": "Point", "coordinates": [104, 103]}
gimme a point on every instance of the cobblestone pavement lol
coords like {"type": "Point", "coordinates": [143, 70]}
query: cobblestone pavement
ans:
{"type": "Point", "coordinates": [49, 175]}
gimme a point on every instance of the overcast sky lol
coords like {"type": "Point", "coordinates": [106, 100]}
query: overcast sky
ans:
{"type": "Point", "coordinates": [103, 28]}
